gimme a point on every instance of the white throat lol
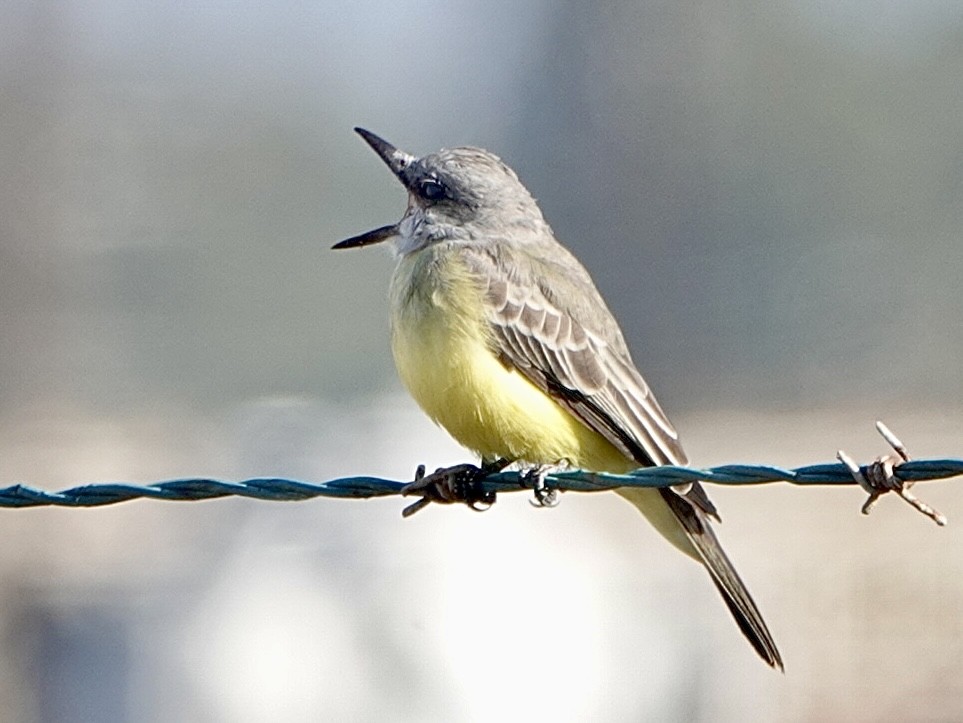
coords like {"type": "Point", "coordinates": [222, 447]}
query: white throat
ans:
{"type": "Point", "coordinates": [412, 233]}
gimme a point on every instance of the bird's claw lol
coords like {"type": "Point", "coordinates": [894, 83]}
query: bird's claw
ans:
{"type": "Point", "coordinates": [545, 496]}
{"type": "Point", "coordinates": [881, 477]}
{"type": "Point", "coordinates": [450, 485]}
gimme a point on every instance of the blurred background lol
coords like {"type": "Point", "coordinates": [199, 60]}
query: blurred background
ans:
{"type": "Point", "coordinates": [770, 196]}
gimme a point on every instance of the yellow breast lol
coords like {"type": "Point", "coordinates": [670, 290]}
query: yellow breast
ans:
{"type": "Point", "coordinates": [442, 349]}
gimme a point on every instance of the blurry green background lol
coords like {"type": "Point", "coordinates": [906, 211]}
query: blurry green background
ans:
{"type": "Point", "coordinates": [770, 196]}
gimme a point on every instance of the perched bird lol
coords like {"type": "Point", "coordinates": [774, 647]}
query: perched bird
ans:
{"type": "Point", "coordinates": [502, 338]}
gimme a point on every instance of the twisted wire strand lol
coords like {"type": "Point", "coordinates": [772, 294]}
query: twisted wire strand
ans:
{"type": "Point", "coordinates": [289, 490]}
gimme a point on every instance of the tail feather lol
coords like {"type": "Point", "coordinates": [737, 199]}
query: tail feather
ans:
{"type": "Point", "coordinates": [737, 598]}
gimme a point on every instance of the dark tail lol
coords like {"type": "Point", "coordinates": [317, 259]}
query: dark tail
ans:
{"type": "Point", "coordinates": [692, 515]}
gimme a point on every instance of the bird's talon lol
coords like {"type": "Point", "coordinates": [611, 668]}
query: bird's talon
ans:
{"type": "Point", "coordinates": [545, 496]}
{"type": "Point", "coordinates": [449, 485]}
{"type": "Point", "coordinates": [484, 503]}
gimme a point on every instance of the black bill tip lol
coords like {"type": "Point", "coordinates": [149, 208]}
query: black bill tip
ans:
{"type": "Point", "coordinates": [370, 237]}
{"type": "Point", "coordinates": [397, 160]}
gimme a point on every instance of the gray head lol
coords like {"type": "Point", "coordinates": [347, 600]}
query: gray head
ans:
{"type": "Point", "coordinates": [454, 194]}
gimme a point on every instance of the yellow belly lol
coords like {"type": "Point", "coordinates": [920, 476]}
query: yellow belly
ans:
{"type": "Point", "coordinates": [440, 342]}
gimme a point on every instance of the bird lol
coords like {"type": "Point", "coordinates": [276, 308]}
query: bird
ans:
{"type": "Point", "coordinates": [503, 339]}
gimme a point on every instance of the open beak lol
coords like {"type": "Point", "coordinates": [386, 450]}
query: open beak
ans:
{"type": "Point", "coordinates": [370, 237]}
{"type": "Point", "coordinates": [398, 161]}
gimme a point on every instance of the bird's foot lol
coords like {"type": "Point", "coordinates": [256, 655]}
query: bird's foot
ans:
{"type": "Point", "coordinates": [449, 485]}
{"type": "Point", "coordinates": [545, 496]}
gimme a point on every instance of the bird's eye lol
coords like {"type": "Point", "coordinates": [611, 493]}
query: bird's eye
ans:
{"type": "Point", "coordinates": [431, 190]}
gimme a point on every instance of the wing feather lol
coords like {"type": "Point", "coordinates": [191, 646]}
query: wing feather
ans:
{"type": "Point", "coordinates": [565, 341]}
{"type": "Point", "coordinates": [587, 369]}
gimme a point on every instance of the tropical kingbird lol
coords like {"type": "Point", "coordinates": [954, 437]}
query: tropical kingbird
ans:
{"type": "Point", "coordinates": [502, 338]}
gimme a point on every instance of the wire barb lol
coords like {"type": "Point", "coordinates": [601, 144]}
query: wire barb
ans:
{"type": "Point", "coordinates": [882, 476]}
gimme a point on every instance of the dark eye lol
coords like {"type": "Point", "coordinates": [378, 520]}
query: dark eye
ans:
{"type": "Point", "coordinates": [431, 190]}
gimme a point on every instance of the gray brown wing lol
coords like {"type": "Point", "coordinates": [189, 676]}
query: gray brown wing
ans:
{"type": "Point", "coordinates": [589, 374]}
{"type": "Point", "coordinates": [577, 354]}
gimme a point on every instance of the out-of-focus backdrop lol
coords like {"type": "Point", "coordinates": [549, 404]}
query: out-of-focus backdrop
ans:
{"type": "Point", "coordinates": [769, 194]}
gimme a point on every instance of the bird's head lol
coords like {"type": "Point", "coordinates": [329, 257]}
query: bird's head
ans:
{"type": "Point", "coordinates": [457, 193]}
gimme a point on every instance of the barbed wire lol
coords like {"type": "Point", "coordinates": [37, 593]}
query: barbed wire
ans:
{"type": "Point", "coordinates": [886, 474]}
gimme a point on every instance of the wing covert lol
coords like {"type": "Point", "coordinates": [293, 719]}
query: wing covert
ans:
{"type": "Point", "coordinates": [588, 370]}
